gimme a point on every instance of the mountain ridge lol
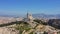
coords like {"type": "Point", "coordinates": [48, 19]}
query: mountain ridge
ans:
{"type": "Point", "coordinates": [50, 16]}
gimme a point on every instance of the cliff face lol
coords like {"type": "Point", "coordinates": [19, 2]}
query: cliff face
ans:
{"type": "Point", "coordinates": [54, 22]}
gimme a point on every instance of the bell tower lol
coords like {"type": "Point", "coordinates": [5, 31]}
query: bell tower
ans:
{"type": "Point", "coordinates": [29, 17]}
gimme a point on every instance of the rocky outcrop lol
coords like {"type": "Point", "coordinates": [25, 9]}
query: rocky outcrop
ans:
{"type": "Point", "coordinates": [7, 30]}
{"type": "Point", "coordinates": [55, 23]}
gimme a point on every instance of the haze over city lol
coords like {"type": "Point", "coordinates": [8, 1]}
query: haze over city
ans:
{"type": "Point", "coordinates": [21, 7]}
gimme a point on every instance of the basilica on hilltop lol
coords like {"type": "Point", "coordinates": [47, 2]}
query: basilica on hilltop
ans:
{"type": "Point", "coordinates": [30, 20]}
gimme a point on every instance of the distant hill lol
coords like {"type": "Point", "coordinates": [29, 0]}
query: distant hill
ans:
{"type": "Point", "coordinates": [36, 16]}
{"type": "Point", "coordinates": [46, 16]}
{"type": "Point", "coordinates": [10, 16]}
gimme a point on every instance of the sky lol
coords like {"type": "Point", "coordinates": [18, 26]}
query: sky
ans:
{"type": "Point", "coordinates": [21, 7]}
